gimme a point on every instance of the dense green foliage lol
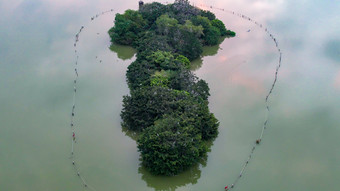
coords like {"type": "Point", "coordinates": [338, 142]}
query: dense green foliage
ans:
{"type": "Point", "coordinates": [170, 146]}
{"type": "Point", "coordinates": [220, 25]}
{"type": "Point", "coordinates": [168, 104]}
{"type": "Point", "coordinates": [177, 28]}
{"type": "Point", "coordinates": [127, 27]}
{"type": "Point", "coordinates": [151, 11]}
{"type": "Point", "coordinates": [151, 42]}
{"type": "Point", "coordinates": [231, 33]}
{"type": "Point", "coordinates": [208, 14]}
{"type": "Point", "coordinates": [165, 25]}
{"type": "Point", "coordinates": [211, 33]}
{"type": "Point", "coordinates": [146, 105]}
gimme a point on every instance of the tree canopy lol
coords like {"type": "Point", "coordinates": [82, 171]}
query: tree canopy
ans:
{"type": "Point", "coordinates": [127, 27]}
{"type": "Point", "coordinates": [169, 146]}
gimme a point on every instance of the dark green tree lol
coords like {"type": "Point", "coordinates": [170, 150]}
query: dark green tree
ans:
{"type": "Point", "coordinates": [164, 60]}
{"type": "Point", "coordinates": [211, 36]}
{"type": "Point", "coordinates": [138, 74]}
{"type": "Point", "coordinates": [151, 11]}
{"type": "Point", "coordinates": [127, 27]}
{"type": "Point", "coordinates": [160, 78]}
{"type": "Point", "coordinates": [146, 105]}
{"type": "Point", "coordinates": [185, 80]}
{"type": "Point", "coordinates": [211, 33]}
{"type": "Point", "coordinates": [195, 112]}
{"type": "Point", "coordinates": [220, 25]}
{"type": "Point", "coordinates": [184, 60]}
{"type": "Point", "coordinates": [231, 33]}
{"type": "Point", "coordinates": [165, 24]}
{"type": "Point", "coordinates": [168, 147]}
{"type": "Point", "coordinates": [187, 44]}
{"type": "Point", "coordinates": [189, 27]}
{"type": "Point", "coordinates": [203, 21]}
{"type": "Point", "coordinates": [181, 10]}
{"type": "Point", "coordinates": [150, 42]}
{"type": "Point", "coordinates": [208, 14]}
{"type": "Point", "coordinates": [200, 89]}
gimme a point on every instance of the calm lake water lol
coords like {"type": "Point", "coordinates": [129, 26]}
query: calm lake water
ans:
{"type": "Point", "coordinates": [301, 146]}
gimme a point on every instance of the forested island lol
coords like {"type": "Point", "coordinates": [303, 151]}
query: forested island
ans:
{"type": "Point", "coordinates": [168, 105]}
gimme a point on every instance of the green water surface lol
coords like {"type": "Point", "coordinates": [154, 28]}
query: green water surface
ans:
{"type": "Point", "coordinates": [301, 146]}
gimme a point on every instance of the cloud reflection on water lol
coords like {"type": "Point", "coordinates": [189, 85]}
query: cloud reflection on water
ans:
{"type": "Point", "coordinates": [337, 81]}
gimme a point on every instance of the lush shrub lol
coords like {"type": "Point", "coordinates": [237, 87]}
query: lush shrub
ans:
{"type": "Point", "coordinates": [160, 78]}
{"type": "Point", "coordinates": [151, 11]}
{"type": "Point", "coordinates": [165, 24]}
{"type": "Point", "coordinates": [203, 21]}
{"type": "Point", "coordinates": [212, 36]}
{"type": "Point", "coordinates": [145, 105]}
{"type": "Point", "coordinates": [208, 14]}
{"type": "Point", "coordinates": [195, 113]}
{"type": "Point", "coordinates": [230, 33]}
{"type": "Point", "coordinates": [168, 147]}
{"type": "Point", "coordinates": [127, 27]}
{"type": "Point", "coordinates": [184, 60]}
{"type": "Point", "coordinates": [163, 60]}
{"type": "Point", "coordinates": [150, 42]}
{"type": "Point", "coordinates": [181, 10]}
{"type": "Point", "coordinates": [220, 25]}
{"type": "Point", "coordinates": [138, 74]}
{"type": "Point", "coordinates": [195, 30]}
{"type": "Point", "coordinates": [187, 44]}
{"type": "Point", "coordinates": [211, 33]}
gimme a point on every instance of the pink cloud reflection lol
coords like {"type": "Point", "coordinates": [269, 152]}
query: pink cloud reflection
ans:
{"type": "Point", "coordinates": [250, 83]}
{"type": "Point", "coordinates": [337, 81]}
{"type": "Point", "coordinates": [222, 58]}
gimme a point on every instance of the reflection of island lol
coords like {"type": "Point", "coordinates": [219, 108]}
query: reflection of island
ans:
{"type": "Point", "coordinates": [190, 176]}
{"type": "Point", "coordinates": [123, 52]}
{"type": "Point", "coordinates": [207, 51]}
